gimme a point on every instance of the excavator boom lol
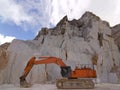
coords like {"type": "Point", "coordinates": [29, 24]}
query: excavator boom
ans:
{"type": "Point", "coordinates": [33, 61]}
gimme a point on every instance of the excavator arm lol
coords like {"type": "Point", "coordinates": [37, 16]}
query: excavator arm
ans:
{"type": "Point", "coordinates": [42, 60]}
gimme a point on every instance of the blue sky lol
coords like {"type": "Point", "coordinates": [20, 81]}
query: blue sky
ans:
{"type": "Point", "coordinates": [22, 19]}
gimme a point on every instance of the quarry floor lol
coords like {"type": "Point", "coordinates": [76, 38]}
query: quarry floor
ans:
{"type": "Point", "coordinates": [104, 86]}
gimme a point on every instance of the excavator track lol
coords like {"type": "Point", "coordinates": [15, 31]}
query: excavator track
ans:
{"type": "Point", "coordinates": [75, 84]}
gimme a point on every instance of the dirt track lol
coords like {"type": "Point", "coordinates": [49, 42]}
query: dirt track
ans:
{"type": "Point", "coordinates": [53, 87]}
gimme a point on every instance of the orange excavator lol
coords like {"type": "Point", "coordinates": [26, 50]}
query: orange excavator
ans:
{"type": "Point", "coordinates": [79, 78]}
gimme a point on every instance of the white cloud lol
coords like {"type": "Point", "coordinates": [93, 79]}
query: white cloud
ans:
{"type": "Point", "coordinates": [106, 9]}
{"type": "Point", "coordinates": [4, 39]}
{"type": "Point", "coordinates": [44, 13]}
{"type": "Point", "coordinates": [39, 10]}
{"type": "Point", "coordinates": [11, 11]}
{"type": "Point", "coordinates": [71, 8]}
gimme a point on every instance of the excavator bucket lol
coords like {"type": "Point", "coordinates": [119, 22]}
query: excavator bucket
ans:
{"type": "Point", "coordinates": [24, 84]}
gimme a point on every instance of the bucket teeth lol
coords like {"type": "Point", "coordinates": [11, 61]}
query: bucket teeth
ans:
{"type": "Point", "coordinates": [24, 83]}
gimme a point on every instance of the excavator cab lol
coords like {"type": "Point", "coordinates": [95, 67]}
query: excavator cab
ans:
{"type": "Point", "coordinates": [66, 71]}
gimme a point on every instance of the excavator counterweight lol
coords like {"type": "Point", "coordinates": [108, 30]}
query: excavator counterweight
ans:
{"type": "Point", "coordinates": [80, 78]}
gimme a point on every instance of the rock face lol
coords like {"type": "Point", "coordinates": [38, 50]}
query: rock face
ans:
{"type": "Point", "coordinates": [3, 58]}
{"type": "Point", "coordinates": [84, 41]}
{"type": "Point", "coordinates": [116, 34]}
{"type": "Point", "coordinates": [3, 55]}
